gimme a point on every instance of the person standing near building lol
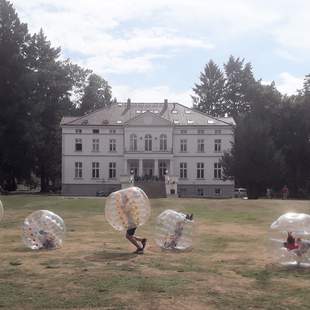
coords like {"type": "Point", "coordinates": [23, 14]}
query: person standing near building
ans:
{"type": "Point", "coordinates": [285, 192]}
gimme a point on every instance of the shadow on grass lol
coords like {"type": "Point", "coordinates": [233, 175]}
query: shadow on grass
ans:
{"type": "Point", "coordinates": [104, 256]}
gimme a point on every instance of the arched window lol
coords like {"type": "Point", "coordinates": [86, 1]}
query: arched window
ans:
{"type": "Point", "coordinates": [133, 142]}
{"type": "Point", "coordinates": [163, 142]}
{"type": "Point", "coordinates": [148, 142]}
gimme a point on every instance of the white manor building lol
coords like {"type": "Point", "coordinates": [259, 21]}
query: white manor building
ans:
{"type": "Point", "coordinates": [148, 144]}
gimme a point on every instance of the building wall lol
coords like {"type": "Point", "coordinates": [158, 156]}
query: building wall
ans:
{"type": "Point", "coordinates": [186, 187]}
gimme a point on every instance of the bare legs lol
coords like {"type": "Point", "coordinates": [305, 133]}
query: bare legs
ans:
{"type": "Point", "coordinates": [135, 241]}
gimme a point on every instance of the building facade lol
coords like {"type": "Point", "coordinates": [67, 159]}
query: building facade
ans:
{"type": "Point", "coordinates": [145, 142]}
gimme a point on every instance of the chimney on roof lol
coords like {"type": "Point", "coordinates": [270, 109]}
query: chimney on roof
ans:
{"type": "Point", "coordinates": [164, 107]}
{"type": "Point", "coordinates": [128, 103]}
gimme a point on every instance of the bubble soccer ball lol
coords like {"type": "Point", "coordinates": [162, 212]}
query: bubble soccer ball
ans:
{"type": "Point", "coordinates": [1, 211]}
{"type": "Point", "coordinates": [290, 239]}
{"type": "Point", "coordinates": [127, 208]}
{"type": "Point", "coordinates": [43, 229]}
{"type": "Point", "coordinates": [173, 231]}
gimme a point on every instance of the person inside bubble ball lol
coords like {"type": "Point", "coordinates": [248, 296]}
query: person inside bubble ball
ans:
{"type": "Point", "coordinates": [138, 242]}
{"type": "Point", "coordinates": [178, 231]}
{"type": "Point", "coordinates": [47, 240]}
{"type": "Point", "coordinates": [303, 246]}
{"type": "Point", "coordinates": [290, 243]}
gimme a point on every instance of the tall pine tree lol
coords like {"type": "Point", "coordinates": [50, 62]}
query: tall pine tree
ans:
{"type": "Point", "coordinates": [209, 96]}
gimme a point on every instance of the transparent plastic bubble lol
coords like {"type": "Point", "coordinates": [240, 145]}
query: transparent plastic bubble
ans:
{"type": "Point", "coordinates": [290, 239]}
{"type": "Point", "coordinates": [127, 208]}
{"type": "Point", "coordinates": [43, 229]}
{"type": "Point", "coordinates": [1, 210]}
{"type": "Point", "coordinates": [173, 230]}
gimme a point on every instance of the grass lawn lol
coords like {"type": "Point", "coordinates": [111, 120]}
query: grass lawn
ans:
{"type": "Point", "coordinates": [228, 268]}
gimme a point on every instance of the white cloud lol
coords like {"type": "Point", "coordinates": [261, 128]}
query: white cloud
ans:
{"type": "Point", "coordinates": [96, 31]}
{"type": "Point", "coordinates": [152, 94]}
{"type": "Point", "coordinates": [289, 84]}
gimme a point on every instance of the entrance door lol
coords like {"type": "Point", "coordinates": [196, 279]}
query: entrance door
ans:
{"type": "Point", "coordinates": [162, 167]}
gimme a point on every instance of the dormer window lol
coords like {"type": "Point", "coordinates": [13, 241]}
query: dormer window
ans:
{"type": "Point", "coordinates": [156, 111]}
{"type": "Point", "coordinates": [210, 121]}
{"type": "Point", "coordinates": [138, 111]}
{"type": "Point", "coordinates": [119, 122]}
{"type": "Point", "coordinates": [174, 112]}
{"type": "Point", "coordinates": [85, 122]}
{"type": "Point", "coordinates": [188, 112]}
{"type": "Point", "coordinates": [176, 121]}
{"type": "Point", "coordinates": [190, 122]}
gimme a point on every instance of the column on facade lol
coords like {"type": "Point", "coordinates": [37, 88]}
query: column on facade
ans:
{"type": "Point", "coordinates": [140, 167]}
{"type": "Point", "coordinates": [156, 167]}
{"type": "Point", "coordinates": [125, 167]}
{"type": "Point", "coordinates": [171, 171]}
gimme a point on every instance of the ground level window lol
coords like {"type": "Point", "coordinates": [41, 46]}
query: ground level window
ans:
{"type": "Point", "coordinates": [182, 191]}
{"type": "Point", "coordinates": [218, 191]}
{"type": "Point", "coordinates": [200, 191]}
{"type": "Point", "coordinates": [112, 170]}
{"type": "Point", "coordinates": [78, 170]}
{"type": "Point", "coordinates": [95, 170]}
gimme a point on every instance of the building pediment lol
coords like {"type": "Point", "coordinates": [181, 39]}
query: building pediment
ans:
{"type": "Point", "coordinates": [148, 119]}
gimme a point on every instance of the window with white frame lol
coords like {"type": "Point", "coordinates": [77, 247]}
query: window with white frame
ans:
{"type": "Point", "coordinates": [217, 171]}
{"type": "Point", "coordinates": [183, 145]}
{"type": "Point", "coordinates": [95, 145]}
{"type": "Point", "coordinates": [78, 170]}
{"type": "Point", "coordinates": [183, 170]}
{"type": "Point", "coordinates": [200, 145]}
{"type": "Point", "coordinates": [112, 170]}
{"type": "Point", "coordinates": [217, 145]}
{"type": "Point", "coordinates": [218, 191]}
{"type": "Point", "coordinates": [163, 142]}
{"type": "Point", "coordinates": [200, 171]}
{"type": "Point", "coordinates": [148, 142]}
{"type": "Point", "coordinates": [78, 131]}
{"type": "Point", "coordinates": [112, 145]}
{"type": "Point", "coordinates": [95, 131]}
{"type": "Point", "coordinates": [95, 170]}
{"type": "Point", "coordinates": [78, 145]}
{"type": "Point", "coordinates": [133, 142]}
{"type": "Point", "coordinates": [113, 131]}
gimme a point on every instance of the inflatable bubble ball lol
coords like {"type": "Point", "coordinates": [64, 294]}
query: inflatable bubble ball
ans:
{"type": "Point", "coordinates": [127, 208]}
{"type": "Point", "coordinates": [290, 239]}
{"type": "Point", "coordinates": [43, 229]}
{"type": "Point", "coordinates": [174, 230]}
{"type": "Point", "coordinates": [1, 211]}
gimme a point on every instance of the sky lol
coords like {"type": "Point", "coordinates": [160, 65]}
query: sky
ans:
{"type": "Point", "coordinates": [151, 50]}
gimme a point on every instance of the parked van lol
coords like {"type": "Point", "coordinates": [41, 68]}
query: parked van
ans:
{"type": "Point", "coordinates": [241, 192]}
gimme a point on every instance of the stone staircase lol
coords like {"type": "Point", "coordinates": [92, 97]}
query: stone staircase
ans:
{"type": "Point", "coordinates": [153, 189]}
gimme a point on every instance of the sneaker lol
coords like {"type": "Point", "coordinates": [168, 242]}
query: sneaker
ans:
{"type": "Point", "coordinates": [138, 251]}
{"type": "Point", "coordinates": [191, 217]}
{"type": "Point", "coordinates": [143, 243]}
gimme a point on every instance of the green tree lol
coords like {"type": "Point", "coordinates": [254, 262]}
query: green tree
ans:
{"type": "Point", "coordinates": [52, 83]}
{"type": "Point", "coordinates": [97, 94]}
{"type": "Point", "coordinates": [240, 87]}
{"type": "Point", "coordinates": [209, 96]}
{"type": "Point", "coordinates": [255, 161]}
{"type": "Point", "coordinates": [15, 140]}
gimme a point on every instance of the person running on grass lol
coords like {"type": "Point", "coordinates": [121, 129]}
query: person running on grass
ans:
{"type": "Point", "coordinates": [138, 242]}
